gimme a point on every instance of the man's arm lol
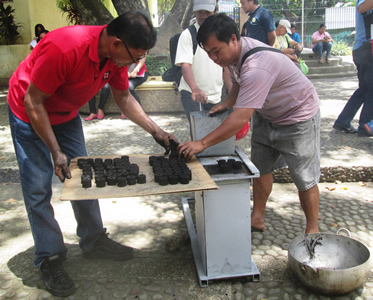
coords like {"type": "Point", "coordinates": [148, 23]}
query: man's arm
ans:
{"type": "Point", "coordinates": [133, 111]}
{"type": "Point", "coordinates": [365, 6]}
{"type": "Point", "coordinates": [231, 125]}
{"type": "Point", "coordinates": [271, 38]}
{"type": "Point", "coordinates": [34, 105]}
{"type": "Point", "coordinates": [197, 94]}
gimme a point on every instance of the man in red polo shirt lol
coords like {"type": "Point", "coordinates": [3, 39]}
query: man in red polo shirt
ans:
{"type": "Point", "coordinates": [66, 69]}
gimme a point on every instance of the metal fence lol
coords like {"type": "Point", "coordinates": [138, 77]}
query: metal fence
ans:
{"type": "Point", "coordinates": [339, 21]}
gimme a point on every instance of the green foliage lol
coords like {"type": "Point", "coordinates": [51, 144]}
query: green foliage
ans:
{"type": "Point", "coordinates": [73, 16]}
{"type": "Point", "coordinates": [8, 26]}
{"type": "Point", "coordinates": [156, 65]}
{"type": "Point", "coordinates": [341, 48]}
{"type": "Point", "coordinates": [164, 6]}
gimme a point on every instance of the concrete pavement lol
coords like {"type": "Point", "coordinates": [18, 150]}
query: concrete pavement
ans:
{"type": "Point", "coordinates": [163, 267]}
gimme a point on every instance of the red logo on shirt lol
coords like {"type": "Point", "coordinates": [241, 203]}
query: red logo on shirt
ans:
{"type": "Point", "coordinates": [106, 75]}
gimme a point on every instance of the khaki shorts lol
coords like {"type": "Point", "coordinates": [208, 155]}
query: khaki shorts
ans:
{"type": "Point", "coordinates": [297, 144]}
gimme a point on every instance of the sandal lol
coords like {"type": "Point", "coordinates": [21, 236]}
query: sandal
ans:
{"type": "Point", "coordinates": [321, 61]}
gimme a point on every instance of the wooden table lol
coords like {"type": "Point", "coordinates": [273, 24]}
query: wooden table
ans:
{"type": "Point", "coordinates": [73, 190]}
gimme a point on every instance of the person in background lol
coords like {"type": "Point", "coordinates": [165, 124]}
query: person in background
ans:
{"type": "Point", "coordinates": [41, 35]}
{"type": "Point", "coordinates": [99, 112]}
{"type": "Point", "coordinates": [286, 122]}
{"type": "Point", "coordinates": [284, 43]}
{"type": "Point", "coordinates": [38, 29]}
{"type": "Point", "coordinates": [322, 42]}
{"type": "Point", "coordinates": [67, 68]}
{"type": "Point", "coordinates": [294, 35]}
{"type": "Point", "coordinates": [202, 80]}
{"type": "Point", "coordinates": [137, 75]}
{"type": "Point", "coordinates": [362, 56]}
{"type": "Point", "coordinates": [260, 25]}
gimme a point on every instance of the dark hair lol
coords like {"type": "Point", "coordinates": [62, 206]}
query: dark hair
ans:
{"type": "Point", "coordinates": [292, 25]}
{"type": "Point", "coordinates": [135, 29]}
{"type": "Point", "coordinates": [277, 22]}
{"type": "Point", "coordinates": [220, 25]}
{"type": "Point", "coordinates": [39, 38]}
{"type": "Point", "coordinates": [322, 25]}
{"type": "Point", "coordinates": [36, 29]}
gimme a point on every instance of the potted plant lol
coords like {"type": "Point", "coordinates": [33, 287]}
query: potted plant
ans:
{"type": "Point", "coordinates": [8, 27]}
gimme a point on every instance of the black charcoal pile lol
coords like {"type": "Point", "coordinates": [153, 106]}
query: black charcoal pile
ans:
{"type": "Point", "coordinates": [117, 171]}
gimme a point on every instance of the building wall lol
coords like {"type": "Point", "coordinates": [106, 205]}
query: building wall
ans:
{"type": "Point", "coordinates": [45, 12]}
{"type": "Point", "coordinates": [32, 12]}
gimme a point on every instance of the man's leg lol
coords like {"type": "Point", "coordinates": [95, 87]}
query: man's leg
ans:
{"type": "Point", "coordinates": [357, 99]}
{"type": "Point", "coordinates": [70, 137]}
{"type": "Point", "coordinates": [266, 159]}
{"type": "Point", "coordinates": [310, 201]}
{"type": "Point", "coordinates": [262, 188]}
{"type": "Point", "coordinates": [93, 240]}
{"type": "Point", "coordinates": [36, 171]}
{"type": "Point", "coordinates": [367, 109]}
{"type": "Point", "coordinates": [300, 146]}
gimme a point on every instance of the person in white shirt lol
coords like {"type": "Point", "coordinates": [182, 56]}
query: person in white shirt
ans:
{"type": "Point", "coordinates": [202, 80]}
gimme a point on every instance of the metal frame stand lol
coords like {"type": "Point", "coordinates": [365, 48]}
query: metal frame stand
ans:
{"type": "Point", "coordinates": [200, 261]}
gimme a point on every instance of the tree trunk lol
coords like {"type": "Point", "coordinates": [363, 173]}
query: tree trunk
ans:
{"type": "Point", "coordinates": [183, 12]}
{"type": "Point", "coordinates": [92, 12]}
{"type": "Point", "coordinates": [123, 6]}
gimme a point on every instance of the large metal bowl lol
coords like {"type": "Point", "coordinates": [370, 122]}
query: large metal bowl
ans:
{"type": "Point", "coordinates": [329, 264]}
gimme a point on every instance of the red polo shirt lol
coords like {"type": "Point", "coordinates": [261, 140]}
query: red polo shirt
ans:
{"type": "Point", "coordinates": [64, 64]}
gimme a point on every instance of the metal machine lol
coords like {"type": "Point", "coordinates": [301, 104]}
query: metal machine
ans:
{"type": "Point", "coordinates": [221, 235]}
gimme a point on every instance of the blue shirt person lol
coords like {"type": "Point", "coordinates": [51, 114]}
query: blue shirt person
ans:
{"type": "Point", "coordinates": [294, 35]}
{"type": "Point", "coordinates": [260, 25]}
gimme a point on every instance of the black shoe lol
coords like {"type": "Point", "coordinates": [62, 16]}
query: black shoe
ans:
{"type": "Point", "coordinates": [55, 278]}
{"type": "Point", "coordinates": [345, 129]}
{"type": "Point", "coordinates": [106, 248]}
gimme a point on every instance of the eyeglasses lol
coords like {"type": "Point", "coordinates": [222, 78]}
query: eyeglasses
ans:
{"type": "Point", "coordinates": [128, 50]}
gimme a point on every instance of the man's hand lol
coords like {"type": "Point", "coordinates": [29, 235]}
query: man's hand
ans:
{"type": "Point", "coordinates": [218, 108]}
{"type": "Point", "coordinates": [163, 138]}
{"type": "Point", "coordinates": [199, 96]}
{"type": "Point", "coordinates": [61, 168]}
{"type": "Point", "coordinates": [188, 149]}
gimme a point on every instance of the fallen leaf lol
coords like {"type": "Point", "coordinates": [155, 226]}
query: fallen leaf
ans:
{"type": "Point", "coordinates": [337, 182]}
{"type": "Point", "coordinates": [347, 148]}
{"type": "Point", "coordinates": [333, 225]}
{"type": "Point", "coordinates": [330, 188]}
{"type": "Point", "coordinates": [113, 201]}
{"type": "Point", "coordinates": [361, 183]}
{"type": "Point", "coordinates": [11, 200]}
{"type": "Point", "coordinates": [344, 188]}
{"type": "Point", "coordinates": [168, 123]}
{"type": "Point", "coordinates": [3, 157]}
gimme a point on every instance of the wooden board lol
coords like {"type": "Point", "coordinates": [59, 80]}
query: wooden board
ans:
{"type": "Point", "coordinates": [73, 190]}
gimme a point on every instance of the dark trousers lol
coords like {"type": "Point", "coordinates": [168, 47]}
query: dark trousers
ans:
{"type": "Point", "coordinates": [105, 92]}
{"type": "Point", "coordinates": [135, 82]}
{"type": "Point", "coordinates": [363, 96]}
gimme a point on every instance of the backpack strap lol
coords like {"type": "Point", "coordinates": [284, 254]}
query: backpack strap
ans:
{"type": "Point", "coordinates": [193, 32]}
{"type": "Point", "coordinates": [257, 49]}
